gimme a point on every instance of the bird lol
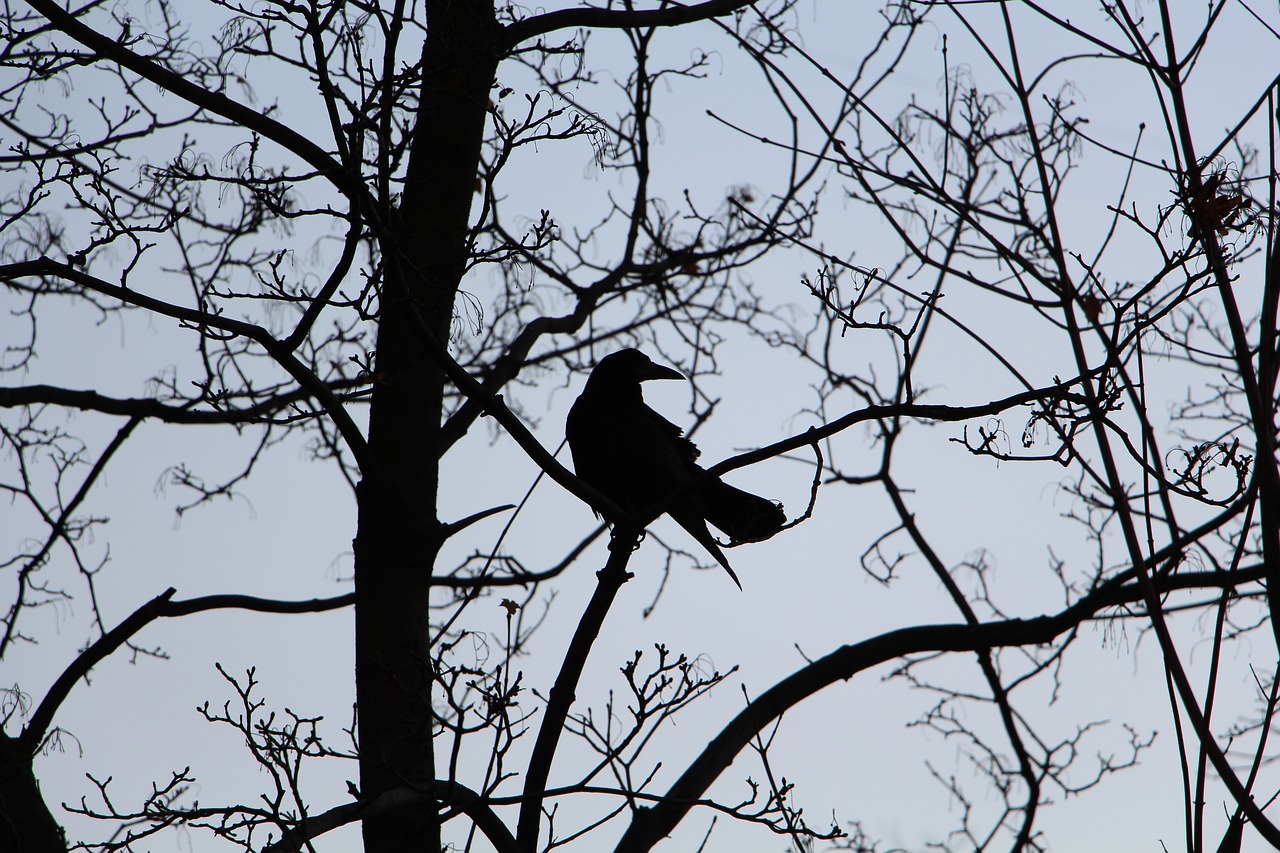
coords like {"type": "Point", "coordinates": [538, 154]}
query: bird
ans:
{"type": "Point", "coordinates": [635, 457]}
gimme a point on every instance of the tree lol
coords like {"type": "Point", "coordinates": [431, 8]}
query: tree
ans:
{"type": "Point", "coordinates": [317, 209]}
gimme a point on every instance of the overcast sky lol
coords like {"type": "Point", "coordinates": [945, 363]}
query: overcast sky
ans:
{"type": "Point", "coordinates": [288, 532]}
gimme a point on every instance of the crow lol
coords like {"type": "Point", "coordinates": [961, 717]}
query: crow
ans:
{"type": "Point", "coordinates": [635, 457]}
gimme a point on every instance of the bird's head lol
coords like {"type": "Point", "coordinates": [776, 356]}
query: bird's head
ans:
{"type": "Point", "coordinates": [629, 366]}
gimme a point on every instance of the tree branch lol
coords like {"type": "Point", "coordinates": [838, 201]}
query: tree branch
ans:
{"type": "Point", "coordinates": [921, 411]}
{"type": "Point", "coordinates": [650, 825]}
{"type": "Point", "coordinates": [151, 408]}
{"type": "Point", "coordinates": [668, 16]}
{"type": "Point", "coordinates": [560, 700]}
{"type": "Point", "coordinates": [109, 50]}
{"type": "Point", "coordinates": [229, 601]}
{"type": "Point", "coordinates": [463, 798]}
{"type": "Point", "coordinates": [160, 606]}
{"type": "Point", "coordinates": [278, 351]}
{"type": "Point", "coordinates": [38, 726]}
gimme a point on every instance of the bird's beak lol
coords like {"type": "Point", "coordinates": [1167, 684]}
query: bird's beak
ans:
{"type": "Point", "coordinates": [658, 371]}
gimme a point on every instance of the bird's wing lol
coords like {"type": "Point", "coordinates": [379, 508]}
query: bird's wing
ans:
{"type": "Point", "coordinates": [632, 454]}
{"type": "Point", "coordinates": [674, 435]}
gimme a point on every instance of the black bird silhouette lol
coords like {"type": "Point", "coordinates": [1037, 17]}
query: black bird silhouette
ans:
{"type": "Point", "coordinates": [635, 457]}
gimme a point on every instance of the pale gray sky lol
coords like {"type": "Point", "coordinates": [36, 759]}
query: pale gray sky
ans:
{"type": "Point", "coordinates": [848, 750]}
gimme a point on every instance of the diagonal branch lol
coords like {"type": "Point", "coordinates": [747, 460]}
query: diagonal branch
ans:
{"type": "Point", "coordinates": [58, 528]}
{"type": "Point", "coordinates": [651, 825]}
{"type": "Point", "coordinates": [560, 700]}
{"type": "Point", "coordinates": [161, 606]}
{"type": "Point", "coordinates": [110, 50]}
{"type": "Point", "coordinates": [37, 727]}
{"type": "Point", "coordinates": [933, 412]}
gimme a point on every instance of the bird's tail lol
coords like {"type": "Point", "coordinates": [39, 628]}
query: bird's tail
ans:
{"type": "Point", "coordinates": [691, 520]}
{"type": "Point", "coordinates": [741, 516]}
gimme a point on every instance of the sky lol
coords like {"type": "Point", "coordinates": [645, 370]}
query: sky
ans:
{"type": "Point", "coordinates": [850, 750]}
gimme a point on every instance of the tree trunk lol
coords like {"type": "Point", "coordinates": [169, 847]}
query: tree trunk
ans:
{"type": "Point", "coordinates": [25, 821]}
{"type": "Point", "coordinates": [399, 532]}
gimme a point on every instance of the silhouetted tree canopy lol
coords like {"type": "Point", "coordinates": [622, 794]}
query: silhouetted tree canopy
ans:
{"type": "Point", "coordinates": [298, 295]}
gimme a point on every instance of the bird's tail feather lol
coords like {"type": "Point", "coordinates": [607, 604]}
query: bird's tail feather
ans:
{"type": "Point", "coordinates": [697, 528]}
{"type": "Point", "coordinates": [742, 516]}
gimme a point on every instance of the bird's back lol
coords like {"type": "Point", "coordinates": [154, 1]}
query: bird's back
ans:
{"type": "Point", "coordinates": [633, 455]}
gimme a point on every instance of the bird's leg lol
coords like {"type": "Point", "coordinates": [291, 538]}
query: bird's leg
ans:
{"type": "Point", "coordinates": [615, 535]}
{"type": "Point", "coordinates": [623, 540]}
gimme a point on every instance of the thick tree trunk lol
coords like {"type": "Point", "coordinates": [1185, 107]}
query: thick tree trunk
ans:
{"type": "Point", "coordinates": [25, 821]}
{"type": "Point", "coordinates": [399, 532]}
